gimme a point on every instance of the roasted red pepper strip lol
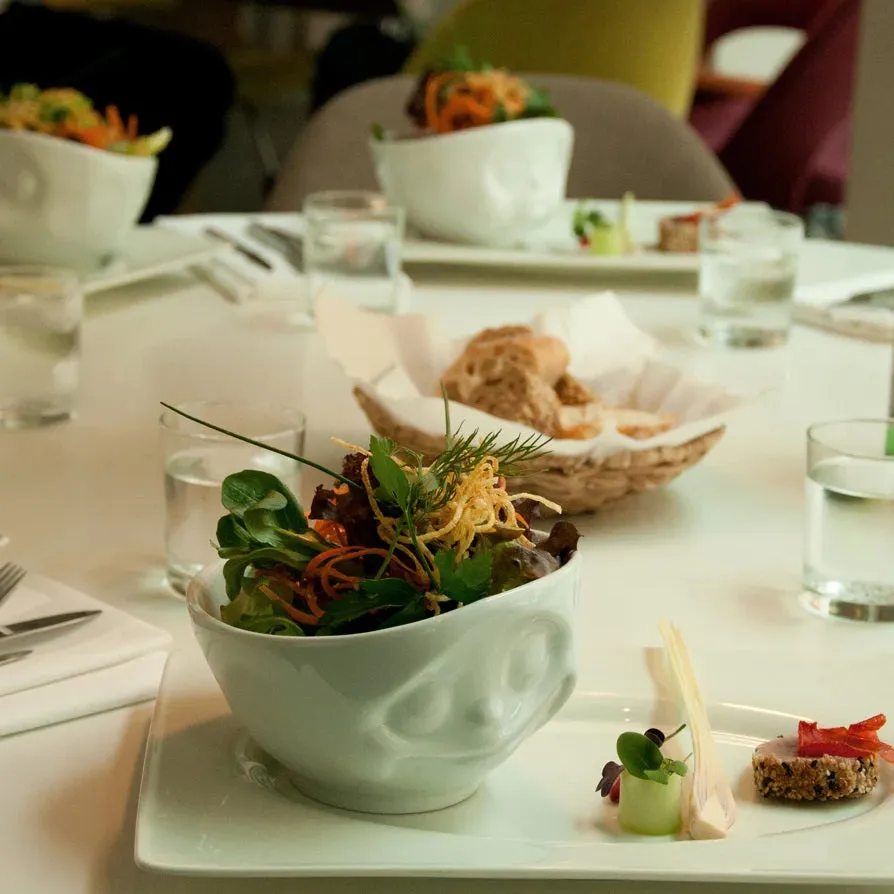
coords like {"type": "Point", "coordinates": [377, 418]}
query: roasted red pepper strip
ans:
{"type": "Point", "coordinates": [857, 740]}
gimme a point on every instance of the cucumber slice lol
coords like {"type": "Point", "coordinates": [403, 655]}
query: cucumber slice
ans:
{"type": "Point", "coordinates": [607, 240]}
{"type": "Point", "coordinates": [650, 808]}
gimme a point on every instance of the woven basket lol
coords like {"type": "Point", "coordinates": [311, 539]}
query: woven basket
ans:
{"type": "Point", "coordinates": [577, 483]}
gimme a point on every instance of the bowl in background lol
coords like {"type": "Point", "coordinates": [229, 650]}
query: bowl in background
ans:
{"type": "Point", "coordinates": [402, 720]}
{"type": "Point", "coordinates": [481, 186]}
{"type": "Point", "coordinates": [66, 204]}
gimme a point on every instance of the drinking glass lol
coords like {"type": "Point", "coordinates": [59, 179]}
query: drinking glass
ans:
{"type": "Point", "coordinates": [749, 264]}
{"type": "Point", "coordinates": [352, 247]}
{"type": "Point", "coordinates": [849, 533]}
{"type": "Point", "coordinates": [40, 335]}
{"type": "Point", "coordinates": [196, 461]}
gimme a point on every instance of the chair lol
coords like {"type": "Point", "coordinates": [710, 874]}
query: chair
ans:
{"type": "Point", "coordinates": [623, 141]}
{"type": "Point", "coordinates": [652, 45]}
{"type": "Point", "coordinates": [721, 102]}
{"type": "Point", "coordinates": [802, 120]}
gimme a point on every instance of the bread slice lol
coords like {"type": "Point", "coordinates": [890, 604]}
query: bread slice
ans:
{"type": "Point", "coordinates": [518, 396]}
{"type": "Point", "coordinates": [678, 235]}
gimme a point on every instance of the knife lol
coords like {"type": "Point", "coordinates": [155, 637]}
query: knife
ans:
{"type": "Point", "coordinates": [47, 622]}
{"type": "Point", "coordinates": [14, 656]}
{"type": "Point", "coordinates": [243, 249]}
{"type": "Point", "coordinates": [288, 245]}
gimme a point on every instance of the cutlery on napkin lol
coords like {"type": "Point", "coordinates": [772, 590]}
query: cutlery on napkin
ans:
{"type": "Point", "coordinates": [845, 306]}
{"type": "Point", "coordinates": [112, 661]}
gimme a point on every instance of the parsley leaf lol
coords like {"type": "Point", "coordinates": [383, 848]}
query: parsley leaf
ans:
{"type": "Point", "coordinates": [373, 595]}
{"type": "Point", "coordinates": [468, 581]}
{"type": "Point", "coordinates": [391, 477]}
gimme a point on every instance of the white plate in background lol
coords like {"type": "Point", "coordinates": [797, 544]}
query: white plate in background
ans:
{"type": "Point", "coordinates": [554, 246]}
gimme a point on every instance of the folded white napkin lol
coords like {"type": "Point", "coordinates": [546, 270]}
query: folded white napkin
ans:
{"type": "Point", "coordinates": [108, 661]}
{"type": "Point", "coordinates": [821, 305]}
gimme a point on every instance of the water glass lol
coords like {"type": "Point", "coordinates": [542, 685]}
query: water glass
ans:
{"type": "Point", "coordinates": [196, 461]}
{"type": "Point", "coordinates": [352, 248]}
{"type": "Point", "coordinates": [41, 310]}
{"type": "Point", "coordinates": [849, 535]}
{"type": "Point", "coordinates": [749, 264]}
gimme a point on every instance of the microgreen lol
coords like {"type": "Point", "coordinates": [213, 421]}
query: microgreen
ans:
{"type": "Point", "coordinates": [587, 219]}
{"type": "Point", "coordinates": [642, 758]}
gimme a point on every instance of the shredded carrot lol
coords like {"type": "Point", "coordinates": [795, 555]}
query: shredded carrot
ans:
{"type": "Point", "coordinates": [311, 599]}
{"type": "Point", "coordinates": [320, 558]}
{"type": "Point", "coordinates": [521, 521]}
{"type": "Point", "coordinates": [133, 127]}
{"type": "Point", "coordinates": [341, 489]}
{"type": "Point", "coordinates": [113, 116]}
{"type": "Point", "coordinates": [332, 531]}
{"type": "Point", "coordinates": [463, 106]}
{"type": "Point", "coordinates": [294, 613]}
{"type": "Point", "coordinates": [432, 99]}
{"type": "Point", "coordinates": [97, 136]}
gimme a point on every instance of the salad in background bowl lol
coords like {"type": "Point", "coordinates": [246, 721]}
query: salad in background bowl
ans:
{"type": "Point", "coordinates": [485, 159]}
{"type": "Point", "coordinates": [398, 641]}
{"type": "Point", "coordinates": [73, 180]}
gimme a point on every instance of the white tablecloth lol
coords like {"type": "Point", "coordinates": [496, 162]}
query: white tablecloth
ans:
{"type": "Point", "coordinates": [719, 551]}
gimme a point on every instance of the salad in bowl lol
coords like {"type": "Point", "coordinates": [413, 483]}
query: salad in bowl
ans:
{"type": "Point", "coordinates": [73, 179]}
{"type": "Point", "coordinates": [400, 639]}
{"type": "Point", "coordinates": [485, 159]}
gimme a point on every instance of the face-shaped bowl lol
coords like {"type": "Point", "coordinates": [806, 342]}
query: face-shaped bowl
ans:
{"type": "Point", "coordinates": [402, 720]}
{"type": "Point", "coordinates": [65, 204]}
{"type": "Point", "coordinates": [482, 186]}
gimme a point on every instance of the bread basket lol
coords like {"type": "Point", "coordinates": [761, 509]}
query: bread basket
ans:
{"type": "Point", "coordinates": [579, 484]}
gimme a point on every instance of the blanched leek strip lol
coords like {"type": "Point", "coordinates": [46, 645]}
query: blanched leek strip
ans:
{"type": "Point", "coordinates": [712, 807]}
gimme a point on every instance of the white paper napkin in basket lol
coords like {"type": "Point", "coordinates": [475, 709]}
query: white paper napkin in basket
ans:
{"type": "Point", "coordinates": [108, 662]}
{"type": "Point", "coordinates": [400, 360]}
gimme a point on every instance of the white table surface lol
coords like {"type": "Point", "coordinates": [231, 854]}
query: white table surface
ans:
{"type": "Point", "coordinates": [718, 551]}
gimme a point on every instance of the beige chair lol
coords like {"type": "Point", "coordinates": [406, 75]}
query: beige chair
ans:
{"type": "Point", "coordinates": [623, 141]}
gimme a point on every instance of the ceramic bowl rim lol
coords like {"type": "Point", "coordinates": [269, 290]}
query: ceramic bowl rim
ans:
{"type": "Point", "coordinates": [199, 615]}
{"type": "Point", "coordinates": [80, 148]}
{"type": "Point", "coordinates": [469, 133]}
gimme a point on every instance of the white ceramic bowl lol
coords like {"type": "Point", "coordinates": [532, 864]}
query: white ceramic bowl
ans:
{"type": "Point", "coordinates": [402, 720]}
{"type": "Point", "coordinates": [66, 204]}
{"type": "Point", "coordinates": [483, 186]}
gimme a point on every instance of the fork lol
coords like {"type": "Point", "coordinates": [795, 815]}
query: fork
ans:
{"type": "Point", "coordinates": [10, 577]}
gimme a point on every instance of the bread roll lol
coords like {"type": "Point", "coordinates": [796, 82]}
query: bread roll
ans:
{"type": "Point", "coordinates": [542, 356]}
{"type": "Point", "coordinates": [572, 393]}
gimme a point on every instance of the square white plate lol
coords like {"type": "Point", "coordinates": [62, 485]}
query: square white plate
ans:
{"type": "Point", "coordinates": [149, 251]}
{"type": "Point", "coordinates": [555, 248]}
{"type": "Point", "coordinates": [212, 804]}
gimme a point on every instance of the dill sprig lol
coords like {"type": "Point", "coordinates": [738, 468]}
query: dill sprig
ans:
{"type": "Point", "coordinates": [466, 452]}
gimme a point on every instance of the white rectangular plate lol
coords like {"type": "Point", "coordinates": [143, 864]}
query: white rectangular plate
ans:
{"type": "Point", "coordinates": [554, 247]}
{"type": "Point", "coordinates": [212, 804]}
{"type": "Point", "coordinates": [148, 252]}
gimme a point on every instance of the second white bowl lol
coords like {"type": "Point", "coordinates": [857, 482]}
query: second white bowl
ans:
{"type": "Point", "coordinates": [483, 186]}
{"type": "Point", "coordinates": [65, 204]}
